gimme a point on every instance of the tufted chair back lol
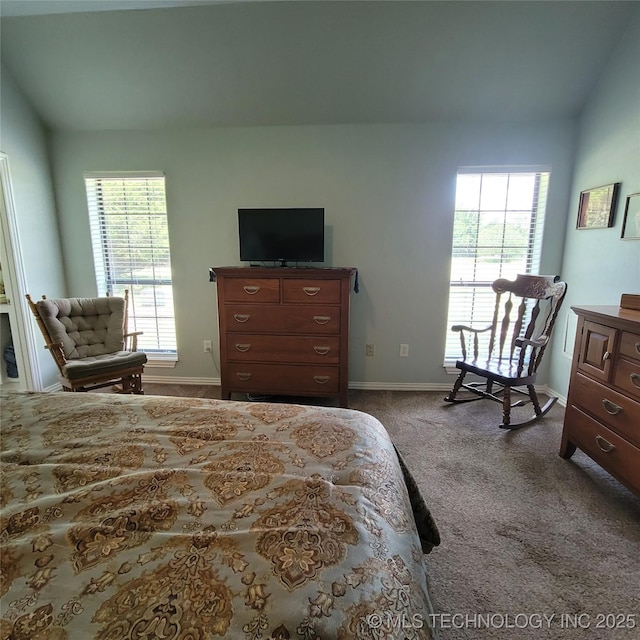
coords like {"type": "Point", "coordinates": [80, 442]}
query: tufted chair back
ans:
{"type": "Point", "coordinates": [84, 326]}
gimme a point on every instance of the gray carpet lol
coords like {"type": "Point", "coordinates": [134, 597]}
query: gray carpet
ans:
{"type": "Point", "coordinates": [532, 545]}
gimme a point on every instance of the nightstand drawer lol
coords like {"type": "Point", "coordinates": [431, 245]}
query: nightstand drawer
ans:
{"type": "Point", "coordinates": [627, 377]}
{"type": "Point", "coordinates": [252, 290]}
{"type": "Point", "coordinates": [242, 347]}
{"type": "Point", "coordinates": [310, 291]}
{"type": "Point", "coordinates": [269, 318]}
{"type": "Point", "coordinates": [615, 454]}
{"type": "Point", "coordinates": [619, 412]}
{"type": "Point", "coordinates": [630, 345]}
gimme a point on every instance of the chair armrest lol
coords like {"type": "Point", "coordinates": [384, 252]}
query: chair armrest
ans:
{"type": "Point", "coordinates": [462, 327]}
{"type": "Point", "coordinates": [538, 342]}
{"type": "Point", "coordinates": [134, 339]}
{"type": "Point", "coordinates": [57, 350]}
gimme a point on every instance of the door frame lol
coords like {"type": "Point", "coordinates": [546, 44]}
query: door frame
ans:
{"type": "Point", "coordinates": [24, 337]}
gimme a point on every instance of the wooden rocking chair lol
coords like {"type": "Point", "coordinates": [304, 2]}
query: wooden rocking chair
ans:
{"type": "Point", "coordinates": [515, 347]}
{"type": "Point", "coordinates": [87, 338]}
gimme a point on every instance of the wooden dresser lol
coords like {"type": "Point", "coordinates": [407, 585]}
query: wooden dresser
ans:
{"type": "Point", "coordinates": [603, 405]}
{"type": "Point", "coordinates": [284, 331]}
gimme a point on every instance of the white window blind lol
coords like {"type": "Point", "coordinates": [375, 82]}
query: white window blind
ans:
{"type": "Point", "coordinates": [497, 233]}
{"type": "Point", "coordinates": [129, 232]}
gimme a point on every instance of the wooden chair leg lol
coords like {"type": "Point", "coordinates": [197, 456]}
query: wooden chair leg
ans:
{"type": "Point", "coordinates": [456, 387]}
{"type": "Point", "coordinates": [534, 399]}
{"type": "Point", "coordinates": [506, 408]}
{"type": "Point", "coordinates": [132, 385]}
{"type": "Point", "coordinates": [539, 412]}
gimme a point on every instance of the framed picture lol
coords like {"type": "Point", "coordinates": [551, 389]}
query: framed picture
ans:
{"type": "Point", "coordinates": [631, 222]}
{"type": "Point", "coordinates": [596, 207]}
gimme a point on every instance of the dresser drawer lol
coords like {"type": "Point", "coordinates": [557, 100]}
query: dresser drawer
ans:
{"type": "Point", "coordinates": [627, 377]}
{"type": "Point", "coordinates": [630, 345]}
{"type": "Point", "coordinates": [613, 409]}
{"type": "Point", "coordinates": [284, 379]}
{"type": "Point", "coordinates": [305, 291]}
{"type": "Point", "coordinates": [282, 319]}
{"type": "Point", "coordinates": [615, 454]}
{"type": "Point", "coordinates": [252, 290]}
{"type": "Point", "coordinates": [242, 347]}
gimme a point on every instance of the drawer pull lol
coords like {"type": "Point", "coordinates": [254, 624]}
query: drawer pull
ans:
{"type": "Point", "coordinates": [635, 379]}
{"type": "Point", "coordinates": [610, 407]}
{"type": "Point", "coordinates": [637, 347]}
{"type": "Point", "coordinates": [243, 376]}
{"type": "Point", "coordinates": [311, 291]}
{"type": "Point", "coordinates": [606, 356]}
{"type": "Point", "coordinates": [322, 379]}
{"type": "Point", "coordinates": [243, 347]}
{"type": "Point", "coordinates": [321, 319]}
{"type": "Point", "coordinates": [604, 445]}
{"type": "Point", "coordinates": [241, 317]}
{"type": "Point", "coordinates": [322, 351]}
{"type": "Point", "coordinates": [251, 289]}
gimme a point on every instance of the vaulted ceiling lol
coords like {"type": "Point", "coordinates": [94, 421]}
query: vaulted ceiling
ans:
{"type": "Point", "coordinates": [208, 63]}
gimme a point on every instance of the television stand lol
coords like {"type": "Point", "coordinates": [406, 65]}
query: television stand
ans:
{"type": "Point", "coordinates": [284, 331]}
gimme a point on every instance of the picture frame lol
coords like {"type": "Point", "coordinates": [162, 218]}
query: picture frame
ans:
{"type": "Point", "coordinates": [631, 220]}
{"type": "Point", "coordinates": [597, 206]}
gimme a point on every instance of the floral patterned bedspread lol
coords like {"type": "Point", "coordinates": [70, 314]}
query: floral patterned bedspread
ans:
{"type": "Point", "coordinates": [155, 517]}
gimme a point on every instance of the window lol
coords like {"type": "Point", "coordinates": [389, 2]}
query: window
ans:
{"type": "Point", "coordinates": [128, 217]}
{"type": "Point", "coordinates": [497, 233]}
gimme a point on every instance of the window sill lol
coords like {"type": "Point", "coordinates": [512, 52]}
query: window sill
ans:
{"type": "Point", "coordinates": [450, 368]}
{"type": "Point", "coordinates": [161, 362]}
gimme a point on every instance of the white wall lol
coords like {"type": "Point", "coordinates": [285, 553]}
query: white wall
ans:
{"type": "Point", "coordinates": [23, 140]}
{"type": "Point", "coordinates": [388, 193]}
{"type": "Point", "coordinates": [598, 265]}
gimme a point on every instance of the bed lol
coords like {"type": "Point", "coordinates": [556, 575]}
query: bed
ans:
{"type": "Point", "coordinates": [161, 517]}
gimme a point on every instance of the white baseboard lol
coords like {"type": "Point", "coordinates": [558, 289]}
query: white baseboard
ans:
{"type": "Point", "coordinates": [400, 386]}
{"type": "Point", "coordinates": [373, 386]}
{"type": "Point", "coordinates": [179, 380]}
{"type": "Point", "coordinates": [562, 400]}
{"type": "Point", "coordinates": [365, 386]}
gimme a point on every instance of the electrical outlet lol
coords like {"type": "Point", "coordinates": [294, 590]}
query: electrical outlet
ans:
{"type": "Point", "coordinates": [370, 350]}
{"type": "Point", "coordinates": [404, 350]}
{"type": "Point", "coordinates": [206, 346]}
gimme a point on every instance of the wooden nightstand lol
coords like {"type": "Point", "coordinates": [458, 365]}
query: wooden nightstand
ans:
{"type": "Point", "coordinates": [603, 405]}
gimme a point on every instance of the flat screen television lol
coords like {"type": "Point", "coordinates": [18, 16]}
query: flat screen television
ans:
{"type": "Point", "coordinates": [281, 235]}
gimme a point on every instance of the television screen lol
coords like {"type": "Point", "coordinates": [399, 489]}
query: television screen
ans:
{"type": "Point", "coordinates": [282, 235]}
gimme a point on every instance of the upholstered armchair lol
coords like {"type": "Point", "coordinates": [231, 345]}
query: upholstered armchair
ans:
{"type": "Point", "coordinates": [88, 340]}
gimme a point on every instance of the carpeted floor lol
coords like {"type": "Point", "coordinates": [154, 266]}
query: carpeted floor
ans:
{"type": "Point", "coordinates": [533, 546]}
